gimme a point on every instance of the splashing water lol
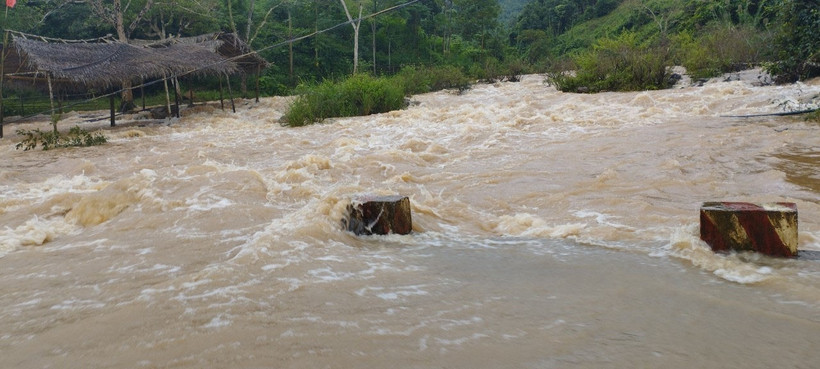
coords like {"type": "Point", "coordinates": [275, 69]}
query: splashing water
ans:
{"type": "Point", "coordinates": [550, 230]}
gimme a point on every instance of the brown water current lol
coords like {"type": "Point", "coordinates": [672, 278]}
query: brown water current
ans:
{"type": "Point", "coordinates": [551, 230]}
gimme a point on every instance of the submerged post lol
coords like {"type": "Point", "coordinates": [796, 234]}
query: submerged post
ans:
{"type": "Point", "coordinates": [368, 215]}
{"type": "Point", "coordinates": [769, 229]}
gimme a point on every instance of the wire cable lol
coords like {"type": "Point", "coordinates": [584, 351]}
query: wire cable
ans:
{"type": "Point", "coordinates": [286, 42]}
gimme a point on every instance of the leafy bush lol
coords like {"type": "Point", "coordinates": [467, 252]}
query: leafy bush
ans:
{"type": "Point", "coordinates": [49, 140]}
{"type": "Point", "coordinates": [493, 70]}
{"type": "Point", "coordinates": [361, 94]}
{"type": "Point", "coordinates": [417, 80]}
{"type": "Point", "coordinates": [798, 43]}
{"type": "Point", "coordinates": [722, 49]}
{"type": "Point", "coordinates": [616, 64]}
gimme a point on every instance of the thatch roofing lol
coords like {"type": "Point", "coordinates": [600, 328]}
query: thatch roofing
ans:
{"type": "Point", "coordinates": [107, 63]}
{"type": "Point", "coordinates": [229, 46]}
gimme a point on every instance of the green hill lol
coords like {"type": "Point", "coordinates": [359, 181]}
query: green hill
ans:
{"type": "Point", "coordinates": [708, 37]}
{"type": "Point", "coordinates": [510, 10]}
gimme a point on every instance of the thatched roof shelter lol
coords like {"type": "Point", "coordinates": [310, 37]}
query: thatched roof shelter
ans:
{"type": "Point", "coordinates": [105, 63]}
{"type": "Point", "coordinates": [230, 46]}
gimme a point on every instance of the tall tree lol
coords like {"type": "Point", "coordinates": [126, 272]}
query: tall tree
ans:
{"type": "Point", "coordinates": [114, 15]}
{"type": "Point", "coordinates": [476, 18]}
{"type": "Point", "coordinates": [181, 17]}
{"type": "Point", "coordinates": [355, 23]}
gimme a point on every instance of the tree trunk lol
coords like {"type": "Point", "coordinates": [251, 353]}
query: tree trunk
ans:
{"type": "Point", "coordinates": [355, 26]}
{"type": "Point", "coordinates": [356, 47]}
{"type": "Point", "coordinates": [290, 47]}
{"type": "Point", "coordinates": [316, 38]}
{"type": "Point", "coordinates": [373, 31]}
{"type": "Point", "coordinates": [230, 18]}
{"type": "Point", "coordinates": [250, 20]}
{"type": "Point", "coordinates": [127, 96]}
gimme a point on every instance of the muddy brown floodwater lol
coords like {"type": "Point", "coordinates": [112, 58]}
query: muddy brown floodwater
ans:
{"type": "Point", "coordinates": [551, 230]}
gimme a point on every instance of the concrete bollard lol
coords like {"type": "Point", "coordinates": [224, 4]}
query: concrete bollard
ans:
{"type": "Point", "coordinates": [769, 229]}
{"type": "Point", "coordinates": [369, 215]}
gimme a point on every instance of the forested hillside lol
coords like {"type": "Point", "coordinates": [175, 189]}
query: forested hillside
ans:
{"type": "Point", "coordinates": [510, 9]}
{"type": "Point", "coordinates": [470, 35]}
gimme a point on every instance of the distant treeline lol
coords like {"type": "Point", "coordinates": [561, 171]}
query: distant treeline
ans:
{"type": "Point", "coordinates": [615, 44]}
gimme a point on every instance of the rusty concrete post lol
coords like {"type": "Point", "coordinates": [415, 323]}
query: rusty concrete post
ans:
{"type": "Point", "coordinates": [381, 215]}
{"type": "Point", "coordinates": [769, 228]}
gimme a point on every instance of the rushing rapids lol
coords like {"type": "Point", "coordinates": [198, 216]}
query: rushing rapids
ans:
{"type": "Point", "coordinates": [550, 230]}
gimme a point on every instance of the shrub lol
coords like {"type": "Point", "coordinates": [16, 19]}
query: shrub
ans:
{"type": "Point", "coordinates": [514, 69]}
{"type": "Point", "coordinates": [417, 80]}
{"type": "Point", "coordinates": [616, 64]}
{"type": "Point", "coordinates": [361, 94]}
{"type": "Point", "coordinates": [722, 49]}
{"type": "Point", "coordinates": [49, 140]}
{"type": "Point", "coordinates": [695, 56]}
{"type": "Point", "coordinates": [798, 44]}
{"type": "Point", "coordinates": [493, 70]}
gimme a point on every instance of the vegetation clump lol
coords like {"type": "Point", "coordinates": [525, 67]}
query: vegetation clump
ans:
{"type": "Point", "coordinates": [616, 64]}
{"type": "Point", "coordinates": [361, 94]}
{"type": "Point", "coordinates": [76, 137]}
{"type": "Point", "coordinates": [418, 80]}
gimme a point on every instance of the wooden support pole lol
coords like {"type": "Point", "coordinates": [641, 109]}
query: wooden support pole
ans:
{"type": "Point", "coordinates": [142, 92]}
{"type": "Point", "coordinates": [111, 106]}
{"type": "Point", "coordinates": [2, 75]}
{"type": "Point", "coordinates": [167, 94]}
{"type": "Point", "coordinates": [51, 100]}
{"type": "Point", "coordinates": [221, 99]}
{"type": "Point", "coordinates": [258, 73]}
{"type": "Point", "coordinates": [176, 95]}
{"type": "Point", "coordinates": [230, 92]}
{"type": "Point", "coordinates": [191, 95]}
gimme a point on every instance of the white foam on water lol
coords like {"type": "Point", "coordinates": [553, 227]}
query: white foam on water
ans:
{"type": "Point", "coordinates": [602, 219]}
{"type": "Point", "coordinates": [148, 294]}
{"type": "Point", "coordinates": [219, 321]}
{"type": "Point", "coordinates": [685, 243]}
{"type": "Point", "coordinates": [34, 232]}
{"type": "Point", "coordinates": [77, 304]}
{"type": "Point", "coordinates": [393, 293]}
{"type": "Point", "coordinates": [210, 202]}
{"type": "Point", "coordinates": [50, 187]}
{"type": "Point", "coordinates": [529, 225]}
{"type": "Point", "coordinates": [461, 340]}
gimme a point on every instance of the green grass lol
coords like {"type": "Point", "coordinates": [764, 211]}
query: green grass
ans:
{"type": "Point", "coordinates": [358, 95]}
{"type": "Point", "coordinates": [363, 94]}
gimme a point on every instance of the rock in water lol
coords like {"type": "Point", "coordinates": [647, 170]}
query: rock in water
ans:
{"type": "Point", "coordinates": [369, 215]}
{"type": "Point", "coordinates": [769, 229]}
